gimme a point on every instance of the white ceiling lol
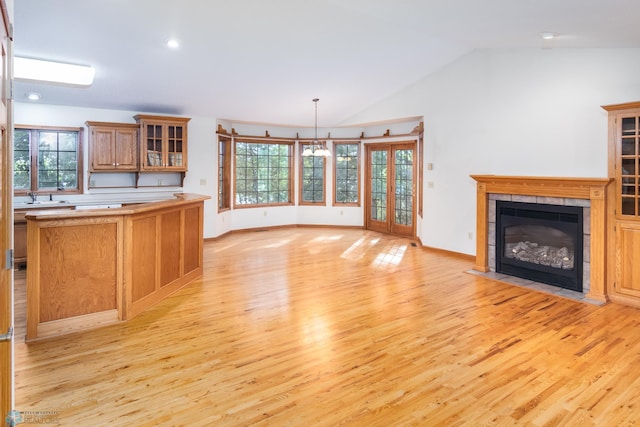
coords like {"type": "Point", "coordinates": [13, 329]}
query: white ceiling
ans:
{"type": "Point", "coordinates": [265, 60]}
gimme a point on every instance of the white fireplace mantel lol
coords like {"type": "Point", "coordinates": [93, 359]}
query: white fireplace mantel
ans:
{"type": "Point", "coordinates": [592, 189]}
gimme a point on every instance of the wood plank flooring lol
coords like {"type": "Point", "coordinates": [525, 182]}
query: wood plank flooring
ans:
{"type": "Point", "coordinates": [342, 327]}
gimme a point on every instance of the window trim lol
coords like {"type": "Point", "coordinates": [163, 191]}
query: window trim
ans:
{"type": "Point", "coordinates": [225, 203]}
{"type": "Point", "coordinates": [420, 181]}
{"type": "Point", "coordinates": [34, 161]}
{"type": "Point", "coordinates": [301, 201]}
{"type": "Point", "coordinates": [335, 175]}
{"type": "Point", "coordinates": [290, 145]}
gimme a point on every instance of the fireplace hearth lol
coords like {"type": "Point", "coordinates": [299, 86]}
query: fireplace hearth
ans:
{"type": "Point", "coordinates": [540, 242]}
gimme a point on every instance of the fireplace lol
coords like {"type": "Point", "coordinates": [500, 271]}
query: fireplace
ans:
{"type": "Point", "coordinates": [540, 242]}
{"type": "Point", "coordinates": [549, 190]}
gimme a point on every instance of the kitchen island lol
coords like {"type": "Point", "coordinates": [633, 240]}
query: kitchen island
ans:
{"type": "Point", "coordinates": [93, 267]}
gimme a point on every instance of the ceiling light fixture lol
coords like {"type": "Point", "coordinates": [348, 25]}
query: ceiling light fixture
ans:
{"type": "Point", "coordinates": [39, 70]}
{"type": "Point", "coordinates": [316, 148]}
{"type": "Point", "coordinates": [33, 96]}
{"type": "Point", "coordinates": [547, 35]}
{"type": "Point", "coordinates": [173, 43]}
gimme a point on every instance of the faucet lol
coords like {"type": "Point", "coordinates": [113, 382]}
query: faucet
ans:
{"type": "Point", "coordinates": [33, 196]}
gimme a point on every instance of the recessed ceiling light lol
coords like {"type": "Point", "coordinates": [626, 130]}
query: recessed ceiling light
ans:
{"type": "Point", "coordinates": [173, 43]}
{"type": "Point", "coordinates": [52, 72]}
{"type": "Point", "coordinates": [33, 96]}
{"type": "Point", "coordinates": [547, 35]}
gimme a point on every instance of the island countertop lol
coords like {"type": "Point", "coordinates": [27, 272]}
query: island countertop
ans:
{"type": "Point", "coordinates": [48, 211]}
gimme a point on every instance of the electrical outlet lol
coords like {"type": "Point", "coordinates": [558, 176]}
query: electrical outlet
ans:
{"type": "Point", "coordinates": [203, 181]}
{"type": "Point", "coordinates": [430, 184]}
{"type": "Point", "coordinates": [265, 213]}
{"type": "Point", "coordinates": [470, 236]}
{"type": "Point", "coordinates": [160, 181]}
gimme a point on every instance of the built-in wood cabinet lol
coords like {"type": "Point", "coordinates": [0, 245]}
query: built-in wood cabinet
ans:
{"type": "Point", "coordinates": [623, 261]}
{"type": "Point", "coordinates": [113, 146]}
{"type": "Point", "coordinates": [89, 268]}
{"type": "Point", "coordinates": [163, 143]}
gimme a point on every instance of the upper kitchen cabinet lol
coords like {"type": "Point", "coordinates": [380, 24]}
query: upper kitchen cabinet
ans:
{"type": "Point", "coordinates": [113, 147]}
{"type": "Point", "coordinates": [163, 143]}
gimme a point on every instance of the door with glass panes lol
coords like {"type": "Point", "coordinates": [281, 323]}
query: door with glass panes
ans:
{"type": "Point", "coordinates": [390, 192]}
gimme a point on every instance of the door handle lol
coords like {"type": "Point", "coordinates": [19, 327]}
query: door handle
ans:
{"type": "Point", "coordinates": [8, 336]}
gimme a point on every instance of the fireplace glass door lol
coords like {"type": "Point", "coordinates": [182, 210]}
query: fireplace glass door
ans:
{"type": "Point", "coordinates": [542, 243]}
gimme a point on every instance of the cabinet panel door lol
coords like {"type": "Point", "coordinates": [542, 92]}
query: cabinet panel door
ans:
{"type": "Point", "coordinates": [103, 149]}
{"type": "Point", "coordinates": [170, 244]}
{"type": "Point", "coordinates": [86, 282]}
{"type": "Point", "coordinates": [192, 240]}
{"type": "Point", "coordinates": [127, 149]}
{"type": "Point", "coordinates": [628, 259]}
{"type": "Point", "coordinates": [143, 244]}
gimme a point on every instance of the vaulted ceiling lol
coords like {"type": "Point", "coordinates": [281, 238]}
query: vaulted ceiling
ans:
{"type": "Point", "coordinates": [265, 60]}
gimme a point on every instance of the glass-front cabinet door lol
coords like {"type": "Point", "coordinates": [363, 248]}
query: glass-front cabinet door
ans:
{"type": "Point", "coordinates": [175, 146]}
{"type": "Point", "coordinates": [627, 172]}
{"type": "Point", "coordinates": [163, 143]}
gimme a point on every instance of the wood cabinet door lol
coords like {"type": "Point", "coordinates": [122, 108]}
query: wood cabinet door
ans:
{"type": "Point", "coordinates": [627, 272]}
{"type": "Point", "coordinates": [176, 147]}
{"type": "Point", "coordinates": [103, 149]}
{"type": "Point", "coordinates": [152, 146]}
{"type": "Point", "coordinates": [126, 149]}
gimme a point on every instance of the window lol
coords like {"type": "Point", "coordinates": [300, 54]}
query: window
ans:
{"type": "Point", "coordinates": [312, 178]}
{"type": "Point", "coordinates": [224, 174]}
{"type": "Point", "coordinates": [47, 159]}
{"type": "Point", "coordinates": [347, 174]}
{"type": "Point", "coordinates": [263, 173]}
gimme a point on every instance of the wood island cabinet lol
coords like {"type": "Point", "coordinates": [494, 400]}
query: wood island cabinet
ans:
{"type": "Point", "coordinates": [89, 268]}
{"type": "Point", "coordinates": [624, 213]}
{"type": "Point", "coordinates": [113, 146]}
{"type": "Point", "coordinates": [163, 143]}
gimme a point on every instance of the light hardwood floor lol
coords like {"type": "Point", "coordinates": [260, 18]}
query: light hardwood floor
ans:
{"type": "Point", "coordinates": [327, 327]}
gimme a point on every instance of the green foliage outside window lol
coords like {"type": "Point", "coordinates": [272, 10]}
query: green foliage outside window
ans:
{"type": "Point", "coordinates": [262, 173]}
{"type": "Point", "coordinates": [347, 173]}
{"type": "Point", "coordinates": [56, 165]}
{"type": "Point", "coordinates": [312, 178]}
{"type": "Point", "coordinates": [21, 160]}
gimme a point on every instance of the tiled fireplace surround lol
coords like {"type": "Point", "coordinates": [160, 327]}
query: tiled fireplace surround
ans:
{"type": "Point", "coordinates": [586, 192]}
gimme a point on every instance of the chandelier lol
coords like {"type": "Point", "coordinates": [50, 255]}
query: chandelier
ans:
{"type": "Point", "coordinates": [317, 148]}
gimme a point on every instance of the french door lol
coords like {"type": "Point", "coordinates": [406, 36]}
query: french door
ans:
{"type": "Point", "coordinates": [390, 202]}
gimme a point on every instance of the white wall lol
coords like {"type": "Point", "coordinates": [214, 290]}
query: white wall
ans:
{"type": "Point", "coordinates": [509, 112]}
